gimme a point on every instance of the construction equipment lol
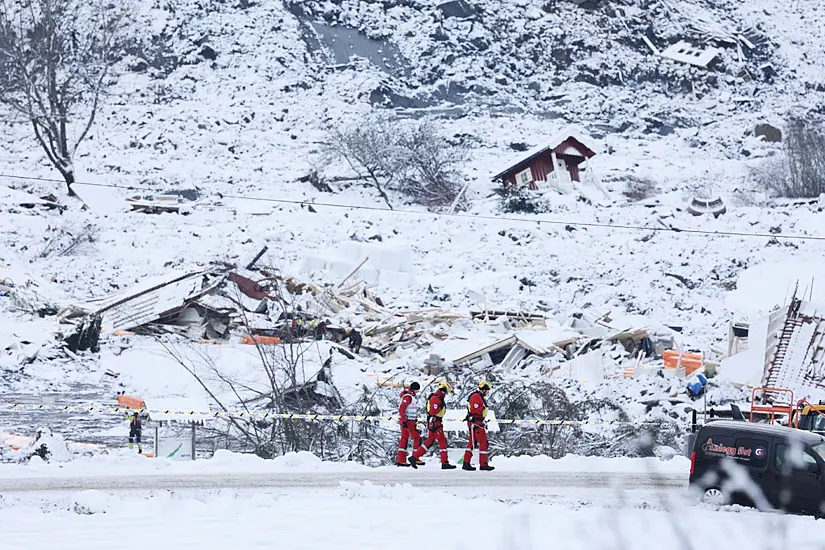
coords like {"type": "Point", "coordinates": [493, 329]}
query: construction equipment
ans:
{"type": "Point", "coordinates": [803, 415]}
{"type": "Point", "coordinates": [771, 404]}
{"type": "Point", "coordinates": [809, 417]}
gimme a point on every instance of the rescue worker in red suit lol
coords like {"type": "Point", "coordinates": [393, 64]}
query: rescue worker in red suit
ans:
{"type": "Point", "coordinates": [436, 409]}
{"type": "Point", "coordinates": [477, 428]}
{"type": "Point", "coordinates": [408, 415]}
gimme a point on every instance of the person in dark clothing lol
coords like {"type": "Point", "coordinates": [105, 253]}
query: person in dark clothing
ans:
{"type": "Point", "coordinates": [135, 429]}
{"type": "Point", "coordinates": [354, 341]}
{"type": "Point", "coordinates": [321, 330]}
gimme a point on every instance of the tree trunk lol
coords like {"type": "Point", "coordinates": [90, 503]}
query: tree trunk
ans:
{"type": "Point", "coordinates": [377, 184]}
{"type": "Point", "coordinates": [69, 177]}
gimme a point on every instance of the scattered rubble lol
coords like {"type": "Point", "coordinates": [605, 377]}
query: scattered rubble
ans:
{"type": "Point", "coordinates": [157, 204]}
{"type": "Point", "coordinates": [686, 53]}
{"type": "Point", "coordinates": [12, 199]}
{"type": "Point", "coordinates": [226, 304]}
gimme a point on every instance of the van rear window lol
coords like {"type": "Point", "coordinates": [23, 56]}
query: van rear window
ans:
{"type": "Point", "coordinates": [744, 449]}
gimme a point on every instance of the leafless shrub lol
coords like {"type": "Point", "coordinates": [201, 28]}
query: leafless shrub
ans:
{"type": "Point", "coordinates": [371, 151]}
{"type": "Point", "coordinates": [430, 166]}
{"type": "Point", "coordinates": [772, 175]}
{"type": "Point", "coordinates": [800, 171]}
{"type": "Point", "coordinates": [55, 56]}
{"type": "Point", "coordinates": [413, 159]}
{"type": "Point", "coordinates": [640, 188]}
{"type": "Point", "coordinates": [65, 241]}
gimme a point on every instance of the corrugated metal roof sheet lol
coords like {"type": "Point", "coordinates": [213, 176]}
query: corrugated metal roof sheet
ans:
{"type": "Point", "coordinates": [151, 300]}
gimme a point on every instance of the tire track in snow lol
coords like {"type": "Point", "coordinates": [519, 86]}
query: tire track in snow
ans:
{"type": "Point", "coordinates": [321, 480]}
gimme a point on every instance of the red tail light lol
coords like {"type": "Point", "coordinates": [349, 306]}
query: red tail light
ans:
{"type": "Point", "coordinates": [692, 461]}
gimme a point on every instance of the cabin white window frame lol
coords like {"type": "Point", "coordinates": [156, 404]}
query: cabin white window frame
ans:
{"type": "Point", "coordinates": [525, 177]}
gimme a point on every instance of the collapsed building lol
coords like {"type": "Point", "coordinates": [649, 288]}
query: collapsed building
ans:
{"type": "Point", "coordinates": [252, 305]}
{"type": "Point", "coordinates": [785, 349]}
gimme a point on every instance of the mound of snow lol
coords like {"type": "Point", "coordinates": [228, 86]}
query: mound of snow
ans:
{"type": "Point", "coordinates": [575, 463]}
{"type": "Point", "coordinates": [123, 462]}
{"type": "Point", "coordinates": [48, 446]}
{"type": "Point", "coordinates": [90, 502]}
{"type": "Point", "coordinates": [766, 286]}
{"type": "Point", "coordinates": [388, 266]}
{"type": "Point", "coordinates": [349, 489]}
{"type": "Point", "coordinates": [303, 460]}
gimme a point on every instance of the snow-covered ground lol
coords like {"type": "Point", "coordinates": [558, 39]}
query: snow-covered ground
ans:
{"type": "Point", "coordinates": [367, 516]}
{"type": "Point", "coordinates": [224, 463]}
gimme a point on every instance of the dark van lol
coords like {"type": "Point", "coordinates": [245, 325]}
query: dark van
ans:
{"type": "Point", "coordinates": [761, 465]}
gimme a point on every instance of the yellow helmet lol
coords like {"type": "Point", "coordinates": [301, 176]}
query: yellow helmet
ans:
{"type": "Point", "coordinates": [484, 385]}
{"type": "Point", "coordinates": [446, 387]}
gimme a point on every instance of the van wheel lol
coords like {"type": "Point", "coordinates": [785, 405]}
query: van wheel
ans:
{"type": "Point", "coordinates": [714, 496]}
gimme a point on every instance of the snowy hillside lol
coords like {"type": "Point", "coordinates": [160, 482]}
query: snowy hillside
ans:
{"type": "Point", "coordinates": [228, 102]}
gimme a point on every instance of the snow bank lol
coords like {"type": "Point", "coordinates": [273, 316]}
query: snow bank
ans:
{"type": "Point", "coordinates": [766, 286]}
{"type": "Point", "coordinates": [575, 463]}
{"type": "Point", "coordinates": [227, 462]}
{"type": "Point", "coordinates": [324, 520]}
{"type": "Point", "coordinates": [90, 502]}
{"type": "Point", "coordinates": [352, 490]}
{"type": "Point", "coordinates": [224, 462]}
{"type": "Point", "coordinates": [48, 447]}
{"type": "Point", "coordinates": [388, 266]}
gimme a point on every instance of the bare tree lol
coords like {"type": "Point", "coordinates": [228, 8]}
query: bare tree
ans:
{"type": "Point", "coordinates": [371, 151]}
{"type": "Point", "coordinates": [431, 165]}
{"type": "Point", "coordinates": [55, 56]}
{"type": "Point", "coordinates": [411, 158]}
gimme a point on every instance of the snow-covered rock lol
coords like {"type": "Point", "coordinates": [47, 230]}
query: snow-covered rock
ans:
{"type": "Point", "coordinates": [47, 447]}
{"type": "Point", "coordinates": [90, 502]}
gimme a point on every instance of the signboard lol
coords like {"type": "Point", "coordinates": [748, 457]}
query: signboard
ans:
{"type": "Point", "coordinates": [175, 448]}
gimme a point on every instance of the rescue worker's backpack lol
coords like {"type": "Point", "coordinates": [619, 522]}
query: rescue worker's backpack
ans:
{"type": "Point", "coordinates": [431, 417]}
{"type": "Point", "coordinates": [470, 416]}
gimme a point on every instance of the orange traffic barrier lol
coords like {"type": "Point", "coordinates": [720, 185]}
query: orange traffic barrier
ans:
{"type": "Point", "coordinates": [261, 340]}
{"type": "Point", "coordinates": [130, 402]}
{"type": "Point", "coordinates": [690, 361]}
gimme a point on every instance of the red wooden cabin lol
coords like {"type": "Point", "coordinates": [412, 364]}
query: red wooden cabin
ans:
{"type": "Point", "coordinates": [562, 159]}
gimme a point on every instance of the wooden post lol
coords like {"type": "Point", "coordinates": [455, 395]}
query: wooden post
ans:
{"type": "Point", "coordinates": [353, 272]}
{"type": "Point", "coordinates": [193, 441]}
{"type": "Point", "coordinates": [157, 445]}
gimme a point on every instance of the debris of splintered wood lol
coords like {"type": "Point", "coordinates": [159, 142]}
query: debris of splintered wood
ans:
{"type": "Point", "coordinates": [156, 204]}
{"type": "Point", "coordinates": [517, 316]}
{"type": "Point", "coordinates": [257, 257]}
{"type": "Point", "coordinates": [690, 285]}
{"type": "Point", "coordinates": [686, 53]}
{"type": "Point", "coordinates": [47, 201]}
{"type": "Point", "coordinates": [85, 336]}
{"type": "Point", "coordinates": [353, 272]}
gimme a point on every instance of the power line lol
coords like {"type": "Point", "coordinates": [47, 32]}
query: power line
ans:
{"type": "Point", "coordinates": [627, 227]}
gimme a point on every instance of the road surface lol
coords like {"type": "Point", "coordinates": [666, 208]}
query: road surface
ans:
{"type": "Point", "coordinates": [320, 480]}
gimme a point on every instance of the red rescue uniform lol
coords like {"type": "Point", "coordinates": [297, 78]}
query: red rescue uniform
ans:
{"type": "Point", "coordinates": [436, 409]}
{"type": "Point", "coordinates": [476, 415]}
{"type": "Point", "coordinates": [408, 414]}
